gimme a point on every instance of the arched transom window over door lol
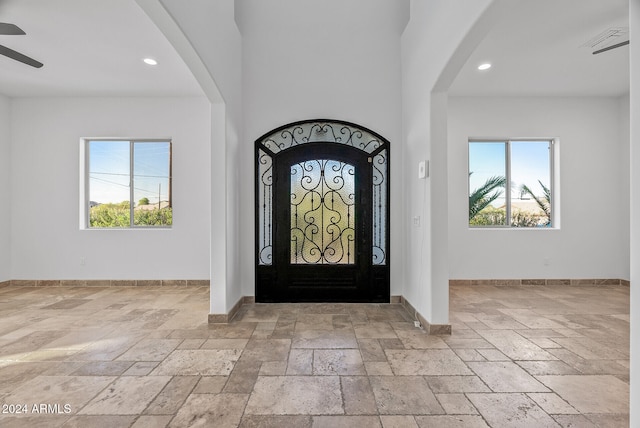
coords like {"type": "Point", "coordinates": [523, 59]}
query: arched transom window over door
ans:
{"type": "Point", "coordinates": [322, 214]}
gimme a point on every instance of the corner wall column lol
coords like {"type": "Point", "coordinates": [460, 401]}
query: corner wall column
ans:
{"type": "Point", "coordinates": [218, 239]}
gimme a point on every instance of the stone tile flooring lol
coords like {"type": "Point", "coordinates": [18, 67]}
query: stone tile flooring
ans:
{"type": "Point", "coordinates": [530, 356]}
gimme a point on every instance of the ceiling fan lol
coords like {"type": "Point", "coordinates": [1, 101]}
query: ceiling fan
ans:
{"type": "Point", "coordinates": [608, 48]}
{"type": "Point", "coordinates": [14, 30]}
{"type": "Point", "coordinates": [611, 38]}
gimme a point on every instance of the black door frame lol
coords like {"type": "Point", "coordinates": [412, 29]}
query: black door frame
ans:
{"type": "Point", "coordinates": [277, 279]}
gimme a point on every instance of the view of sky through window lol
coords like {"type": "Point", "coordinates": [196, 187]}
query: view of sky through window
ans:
{"type": "Point", "coordinates": [110, 167]}
{"type": "Point", "coordinates": [524, 167]}
{"type": "Point", "coordinates": [487, 160]}
{"type": "Point", "coordinates": [129, 183]}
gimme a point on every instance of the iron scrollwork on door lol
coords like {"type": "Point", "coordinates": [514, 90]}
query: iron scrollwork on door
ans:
{"type": "Point", "coordinates": [322, 212]}
{"type": "Point", "coordinates": [315, 240]}
{"type": "Point", "coordinates": [340, 246]}
{"type": "Point", "coordinates": [380, 193]}
{"type": "Point", "coordinates": [265, 207]}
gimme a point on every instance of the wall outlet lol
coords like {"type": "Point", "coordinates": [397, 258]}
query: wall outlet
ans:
{"type": "Point", "coordinates": [416, 221]}
{"type": "Point", "coordinates": [417, 324]}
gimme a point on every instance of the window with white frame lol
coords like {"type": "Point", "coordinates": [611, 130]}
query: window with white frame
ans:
{"type": "Point", "coordinates": [511, 183]}
{"type": "Point", "coordinates": [128, 183]}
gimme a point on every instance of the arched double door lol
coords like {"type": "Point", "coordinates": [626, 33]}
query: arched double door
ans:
{"type": "Point", "coordinates": [322, 214]}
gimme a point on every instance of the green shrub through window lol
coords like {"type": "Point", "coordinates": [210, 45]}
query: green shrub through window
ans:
{"type": "Point", "coordinates": [128, 183]}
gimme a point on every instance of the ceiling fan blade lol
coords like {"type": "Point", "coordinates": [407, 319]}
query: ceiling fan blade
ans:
{"type": "Point", "coordinates": [10, 30]}
{"type": "Point", "coordinates": [19, 57]}
{"type": "Point", "coordinates": [608, 48]}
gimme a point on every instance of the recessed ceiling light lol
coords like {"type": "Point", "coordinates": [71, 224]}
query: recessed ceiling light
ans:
{"type": "Point", "coordinates": [484, 66]}
{"type": "Point", "coordinates": [150, 61]}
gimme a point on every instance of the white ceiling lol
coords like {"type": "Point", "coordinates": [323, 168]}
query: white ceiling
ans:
{"type": "Point", "coordinates": [89, 48]}
{"type": "Point", "coordinates": [536, 50]}
{"type": "Point", "coordinates": [95, 48]}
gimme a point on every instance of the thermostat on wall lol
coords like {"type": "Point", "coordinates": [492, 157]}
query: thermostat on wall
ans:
{"type": "Point", "coordinates": [423, 169]}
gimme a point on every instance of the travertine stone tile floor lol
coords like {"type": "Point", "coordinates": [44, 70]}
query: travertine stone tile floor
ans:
{"type": "Point", "coordinates": [530, 356]}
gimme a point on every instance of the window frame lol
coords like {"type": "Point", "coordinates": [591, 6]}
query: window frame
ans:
{"type": "Point", "coordinates": [85, 206]}
{"type": "Point", "coordinates": [554, 221]}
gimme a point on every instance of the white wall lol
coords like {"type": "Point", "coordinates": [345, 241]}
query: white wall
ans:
{"type": "Point", "coordinates": [215, 44]}
{"type": "Point", "coordinates": [47, 242]}
{"type": "Point", "coordinates": [211, 29]}
{"type": "Point", "coordinates": [434, 46]}
{"type": "Point", "coordinates": [593, 238]}
{"type": "Point", "coordinates": [5, 189]}
{"type": "Point", "coordinates": [624, 124]}
{"type": "Point", "coordinates": [634, 25]}
{"type": "Point", "coordinates": [334, 59]}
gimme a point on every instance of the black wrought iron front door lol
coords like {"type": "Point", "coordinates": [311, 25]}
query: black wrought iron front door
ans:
{"type": "Point", "coordinates": [317, 236]}
{"type": "Point", "coordinates": [322, 210]}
